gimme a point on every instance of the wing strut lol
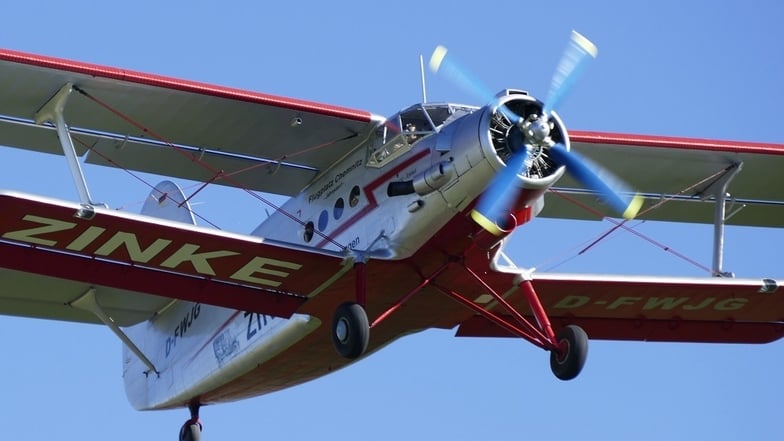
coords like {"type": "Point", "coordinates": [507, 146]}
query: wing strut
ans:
{"type": "Point", "coordinates": [88, 302]}
{"type": "Point", "coordinates": [52, 112]}
{"type": "Point", "coordinates": [719, 190]}
{"type": "Point", "coordinates": [540, 334]}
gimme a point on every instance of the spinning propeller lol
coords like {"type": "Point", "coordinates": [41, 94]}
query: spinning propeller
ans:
{"type": "Point", "coordinates": [530, 136]}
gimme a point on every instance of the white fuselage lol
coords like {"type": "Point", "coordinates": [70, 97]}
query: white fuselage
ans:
{"type": "Point", "coordinates": [348, 206]}
{"type": "Point", "coordinates": [197, 348]}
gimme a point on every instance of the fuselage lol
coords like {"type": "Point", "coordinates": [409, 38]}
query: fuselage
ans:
{"type": "Point", "coordinates": [349, 205]}
{"type": "Point", "coordinates": [413, 180]}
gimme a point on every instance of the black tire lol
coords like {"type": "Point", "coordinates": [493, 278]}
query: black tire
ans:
{"type": "Point", "coordinates": [190, 431]}
{"type": "Point", "coordinates": [568, 365]}
{"type": "Point", "coordinates": [350, 330]}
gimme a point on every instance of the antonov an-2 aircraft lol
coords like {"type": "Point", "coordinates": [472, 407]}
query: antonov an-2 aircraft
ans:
{"type": "Point", "coordinates": [410, 210]}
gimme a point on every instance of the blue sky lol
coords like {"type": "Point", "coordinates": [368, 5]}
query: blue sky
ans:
{"type": "Point", "coordinates": [699, 68]}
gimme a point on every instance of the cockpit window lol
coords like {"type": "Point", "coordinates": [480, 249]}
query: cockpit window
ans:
{"type": "Point", "coordinates": [416, 122]}
{"type": "Point", "coordinates": [399, 133]}
{"type": "Point", "coordinates": [441, 114]}
{"type": "Point", "coordinates": [438, 113]}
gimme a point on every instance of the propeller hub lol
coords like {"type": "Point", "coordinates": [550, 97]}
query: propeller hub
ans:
{"type": "Point", "coordinates": [536, 129]}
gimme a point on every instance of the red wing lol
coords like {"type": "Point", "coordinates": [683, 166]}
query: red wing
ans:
{"type": "Point", "coordinates": [651, 308]}
{"type": "Point", "coordinates": [683, 169]}
{"type": "Point", "coordinates": [52, 252]}
{"type": "Point", "coordinates": [256, 141]}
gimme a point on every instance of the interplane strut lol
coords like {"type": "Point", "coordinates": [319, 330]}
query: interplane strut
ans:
{"type": "Point", "coordinates": [52, 112]}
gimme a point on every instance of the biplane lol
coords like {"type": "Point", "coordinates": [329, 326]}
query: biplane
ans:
{"type": "Point", "coordinates": [392, 226]}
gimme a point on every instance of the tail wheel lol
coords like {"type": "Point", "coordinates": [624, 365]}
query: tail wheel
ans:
{"type": "Point", "coordinates": [567, 363]}
{"type": "Point", "coordinates": [191, 430]}
{"type": "Point", "coordinates": [350, 330]}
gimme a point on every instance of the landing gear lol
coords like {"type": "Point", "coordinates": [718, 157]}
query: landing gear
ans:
{"type": "Point", "coordinates": [191, 430]}
{"type": "Point", "coordinates": [350, 330]}
{"type": "Point", "coordinates": [567, 362]}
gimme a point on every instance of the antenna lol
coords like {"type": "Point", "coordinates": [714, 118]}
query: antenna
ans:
{"type": "Point", "coordinates": [422, 72]}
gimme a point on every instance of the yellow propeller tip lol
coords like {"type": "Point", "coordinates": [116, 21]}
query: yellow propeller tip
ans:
{"type": "Point", "coordinates": [486, 223]}
{"type": "Point", "coordinates": [437, 58]}
{"type": "Point", "coordinates": [634, 207]}
{"type": "Point", "coordinates": [580, 40]}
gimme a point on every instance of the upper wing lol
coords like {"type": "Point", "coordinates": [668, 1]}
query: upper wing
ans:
{"type": "Point", "coordinates": [683, 170]}
{"type": "Point", "coordinates": [228, 136]}
{"type": "Point", "coordinates": [650, 308]}
{"type": "Point", "coordinates": [53, 252]}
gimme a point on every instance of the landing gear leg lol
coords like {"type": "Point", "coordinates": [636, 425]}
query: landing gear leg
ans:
{"type": "Point", "coordinates": [191, 430]}
{"type": "Point", "coordinates": [568, 348]}
{"type": "Point", "coordinates": [567, 361]}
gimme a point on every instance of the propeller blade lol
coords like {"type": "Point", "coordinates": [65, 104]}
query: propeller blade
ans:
{"type": "Point", "coordinates": [460, 75]}
{"type": "Point", "coordinates": [578, 53]}
{"type": "Point", "coordinates": [597, 179]}
{"type": "Point", "coordinates": [497, 199]}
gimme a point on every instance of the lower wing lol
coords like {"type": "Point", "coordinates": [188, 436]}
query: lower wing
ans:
{"type": "Point", "coordinates": [648, 308]}
{"type": "Point", "coordinates": [53, 253]}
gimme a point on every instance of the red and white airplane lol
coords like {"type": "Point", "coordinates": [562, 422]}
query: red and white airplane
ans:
{"type": "Point", "coordinates": [410, 210]}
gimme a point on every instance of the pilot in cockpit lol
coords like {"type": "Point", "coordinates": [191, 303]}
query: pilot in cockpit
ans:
{"type": "Point", "coordinates": [411, 132]}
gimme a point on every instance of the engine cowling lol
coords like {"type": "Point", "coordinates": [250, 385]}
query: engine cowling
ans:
{"type": "Point", "coordinates": [498, 145]}
{"type": "Point", "coordinates": [477, 144]}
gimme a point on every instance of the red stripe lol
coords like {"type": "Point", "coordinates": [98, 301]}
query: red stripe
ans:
{"type": "Point", "coordinates": [676, 142]}
{"type": "Point", "coordinates": [182, 85]}
{"type": "Point", "coordinates": [369, 189]}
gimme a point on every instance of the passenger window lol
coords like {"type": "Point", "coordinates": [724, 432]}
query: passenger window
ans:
{"type": "Point", "coordinates": [353, 197]}
{"type": "Point", "coordinates": [323, 220]}
{"type": "Point", "coordinates": [307, 236]}
{"type": "Point", "coordinates": [337, 211]}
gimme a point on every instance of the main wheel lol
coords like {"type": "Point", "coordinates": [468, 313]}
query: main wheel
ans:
{"type": "Point", "coordinates": [573, 342]}
{"type": "Point", "coordinates": [350, 330]}
{"type": "Point", "coordinates": [191, 431]}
